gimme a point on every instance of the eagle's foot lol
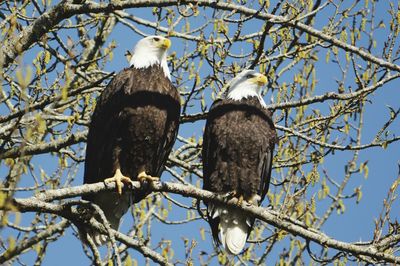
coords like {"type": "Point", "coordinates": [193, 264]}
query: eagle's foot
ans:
{"type": "Point", "coordinates": [231, 194]}
{"type": "Point", "coordinates": [235, 194]}
{"type": "Point", "coordinates": [119, 180]}
{"type": "Point", "coordinates": [143, 177]}
{"type": "Point", "coordinates": [240, 201]}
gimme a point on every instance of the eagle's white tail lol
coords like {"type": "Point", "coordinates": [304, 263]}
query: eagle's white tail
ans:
{"type": "Point", "coordinates": [114, 207]}
{"type": "Point", "coordinates": [233, 229]}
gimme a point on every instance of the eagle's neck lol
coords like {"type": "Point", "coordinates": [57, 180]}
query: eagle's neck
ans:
{"type": "Point", "coordinates": [244, 91]}
{"type": "Point", "coordinates": [144, 60]}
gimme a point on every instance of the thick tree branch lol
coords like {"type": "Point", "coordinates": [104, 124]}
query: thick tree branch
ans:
{"type": "Point", "coordinates": [39, 203]}
{"type": "Point", "coordinates": [64, 10]}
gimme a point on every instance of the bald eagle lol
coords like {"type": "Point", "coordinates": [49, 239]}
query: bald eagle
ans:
{"type": "Point", "coordinates": [133, 129]}
{"type": "Point", "coordinates": [238, 145]}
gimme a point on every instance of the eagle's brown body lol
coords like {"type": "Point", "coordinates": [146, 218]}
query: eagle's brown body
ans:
{"type": "Point", "coordinates": [238, 146]}
{"type": "Point", "coordinates": [133, 128]}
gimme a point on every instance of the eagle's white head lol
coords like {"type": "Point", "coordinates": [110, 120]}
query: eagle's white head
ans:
{"type": "Point", "coordinates": [150, 51]}
{"type": "Point", "coordinates": [247, 84]}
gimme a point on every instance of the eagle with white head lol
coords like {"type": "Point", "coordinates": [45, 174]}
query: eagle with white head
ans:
{"type": "Point", "coordinates": [239, 140]}
{"type": "Point", "coordinates": [133, 129]}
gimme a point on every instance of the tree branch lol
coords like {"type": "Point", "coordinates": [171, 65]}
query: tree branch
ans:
{"type": "Point", "coordinates": [40, 203]}
{"type": "Point", "coordinates": [64, 10]}
{"type": "Point", "coordinates": [26, 244]}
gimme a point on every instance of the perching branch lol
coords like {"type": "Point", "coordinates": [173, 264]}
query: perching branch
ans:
{"type": "Point", "coordinates": [40, 203]}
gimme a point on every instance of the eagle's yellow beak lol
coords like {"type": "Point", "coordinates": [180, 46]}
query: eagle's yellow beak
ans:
{"type": "Point", "coordinates": [166, 43]}
{"type": "Point", "coordinates": [260, 79]}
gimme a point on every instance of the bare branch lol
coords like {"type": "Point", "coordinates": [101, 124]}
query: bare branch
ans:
{"type": "Point", "coordinates": [39, 203]}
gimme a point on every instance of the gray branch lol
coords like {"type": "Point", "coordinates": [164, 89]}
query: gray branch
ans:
{"type": "Point", "coordinates": [40, 203]}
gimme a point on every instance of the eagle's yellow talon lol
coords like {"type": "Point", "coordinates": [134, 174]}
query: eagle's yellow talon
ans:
{"type": "Point", "coordinates": [142, 177]}
{"type": "Point", "coordinates": [119, 180]}
{"type": "Point", "coordinates": [240, 200]}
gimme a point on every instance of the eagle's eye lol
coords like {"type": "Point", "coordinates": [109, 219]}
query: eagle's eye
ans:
{"type": "Point", "coordinates": [249, 76]}
{"type": "Point", "coordinates": [156, 39]}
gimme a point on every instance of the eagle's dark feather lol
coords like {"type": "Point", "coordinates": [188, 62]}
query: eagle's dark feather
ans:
{"type": "Point", "coordinates": [133, 127]}
{"type": "Point", "coordinates": [238, 146]}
